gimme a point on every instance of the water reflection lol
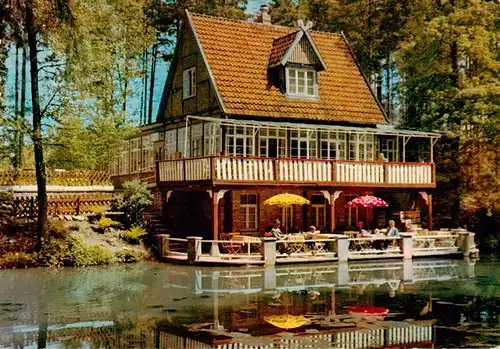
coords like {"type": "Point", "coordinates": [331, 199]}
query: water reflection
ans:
{"type": "Point", "coordinates": [356, 305]}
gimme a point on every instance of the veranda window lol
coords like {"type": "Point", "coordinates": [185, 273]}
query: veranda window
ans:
{"type": "Point", "coordinates": [196, 140]}
{"type": "Point", "coordinates": [124, 158]}
{"type": "Point", "coordinates": [333, 145]}
{"type": "Point", "coordinates": [389, 147]}
{"type": "Point", "coordinates": [361, 147]}
{"type": "Point", "coordinates": [170, 143]}
{"type": "Point", "coordinates": [239, 140]}
{"type": "Point", "coordinates": [212, 139]}
{"type": "Point", "coordinates": [181, 137]}
{"type": "Point", "coordinates": [147, 154]}
{"type": "Point", "coordinates": [114, 167]}
{"type": "Point", "coordinates": [352, 212]}
{"type": "Point", "coordinates": [303, 144]}
{"type": "Point", "coordinates": [248, 210]}
{"type": "Point", "coordinates": [135, 155]}
{"type": "Point", "coordinates": [272, 143]}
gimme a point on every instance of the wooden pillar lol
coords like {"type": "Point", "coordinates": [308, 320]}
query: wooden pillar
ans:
{"type": "Point", "coordinates": [331, 204]}
{"type": "Point", "coordinates": [215, 215]}
{"type": "Point", "coordinates": [305, 219]}
{"type": "Point", "coordinates": [429, 211]}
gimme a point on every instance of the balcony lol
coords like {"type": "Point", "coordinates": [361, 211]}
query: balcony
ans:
{"type": "Point", "coordinates": [224, 170]}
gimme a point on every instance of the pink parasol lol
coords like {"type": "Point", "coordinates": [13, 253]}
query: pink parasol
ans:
{"type": "Point", "coordinates": [368, 310]}
{"type": "Point", "coordinates": [367, 201]}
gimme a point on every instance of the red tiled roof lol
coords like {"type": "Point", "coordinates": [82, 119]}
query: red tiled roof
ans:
{"type": "Point", "coordinates": [238, 54]}
{"type": "Point", "coordinates": [280, 47]}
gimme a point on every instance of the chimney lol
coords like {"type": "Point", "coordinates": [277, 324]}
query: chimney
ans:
{"type": "Point", "coordinates": [264, 16]}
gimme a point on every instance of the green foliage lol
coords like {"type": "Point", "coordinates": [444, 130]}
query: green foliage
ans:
{"type": "Point", "coordinates": [56, 253]}
{"type": "Point", "coordinates": [58, 229]}
{"type": "Point", "coordinates": [18, 260]}
{"type": "Point", "coordinates": [128, 256]}
{"type": "Point", "coordinates": [134, 235]}
{"type": "Point", "coordinates": [105, 223]}
{"type": "Point", "coordinates": [88, 255]}
{"type": "Point", "coordinates": [135, 198]}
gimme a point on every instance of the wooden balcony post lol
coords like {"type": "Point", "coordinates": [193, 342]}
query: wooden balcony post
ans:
{"type": "Point", "coordinates": [215, 215]}
{"type": "Point", "coordinates": [184, 169]}
{"type": "Point", "coordinates": [332, 212]}
{"type": "Point", "coordinates": [429, 211]}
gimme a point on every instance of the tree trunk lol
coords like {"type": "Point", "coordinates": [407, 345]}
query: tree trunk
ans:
{"type": "Point", "coordinates": [37, 127]}
{"type": "Point", "coordinates": [22, 114]}
{"type": "Point", "coordinates": [152, 83]}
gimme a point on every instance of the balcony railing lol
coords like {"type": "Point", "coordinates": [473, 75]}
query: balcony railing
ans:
{"type": "Point", "coordinates": [234, 170]}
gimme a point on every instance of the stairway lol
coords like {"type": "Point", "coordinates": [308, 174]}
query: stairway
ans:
{"type": "Point", "coordinates": [156, 223]}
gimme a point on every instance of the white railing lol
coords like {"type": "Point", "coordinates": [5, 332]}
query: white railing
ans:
{"type": "Point", "coordinates": [176, 247]}
{"type": "Point", "coordinates": [351, 172]}
{"type": "Point", "coordinates": [409, 173]}
{"type": "Point", "coordinates": [305, 248]}
{"type": "Point", "coordinates": [230, 249]}
{"type": "Point", "coordinates": [438, 242]}
{"type": "Point", "coordinates": [265, 170]}
{"type": "Point", "coordinates": [304, 171]}
{"type": "Point", "coordinates": [241, 169]}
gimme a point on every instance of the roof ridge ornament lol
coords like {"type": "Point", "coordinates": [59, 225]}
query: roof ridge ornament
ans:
{"type": "Point", "coordinates": [305, 27]}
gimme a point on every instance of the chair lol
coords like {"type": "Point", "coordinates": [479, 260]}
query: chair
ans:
{"type": "Point", "coordinates": [228, 245]}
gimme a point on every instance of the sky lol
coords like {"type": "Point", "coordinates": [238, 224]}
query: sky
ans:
{"type": "Point", "coordinates": [133, 106]}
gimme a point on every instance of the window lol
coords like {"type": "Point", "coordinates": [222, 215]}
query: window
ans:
{"type": "Point", "coordinates": [212, 139]}
{"type": "Point", "coordinates": [124, 158]}
{"type": "Point", "coordinates": [287, 218]}
{"type": "Point", "coordinates": [303, 144]}
{"type": "Point", "coordinates": [352, 212]}
{"type": "Point", "coordinates": [196, 140]}
{"type": "Point", "coordinates": [301, 82]}
{"type": "Point", "coordinates": [389, 147]}
{"type": "Point", "coordinates": [147, 154]}
{"type": "Point", "coordinates": [135, 155]}
{"type": "Point", "coordinates": [248, 210]}
{"type": "Point", "coordinates": [333, 145]}
{"type": "Point", "coordinates": [239, 140]}
{"type": "Point", "coordinates": [181, 138]}
{"type": "Point", "coordinates": [318, 216]}
{"type": "Point", "coordinates": [272, 143]}
{"type": "Point", "coordinates": [189, 83]}
{"type": "Point", "coordinates": [114, 166]}
{"type": "Point", "coordinates": [361, 147]}
{"type": "Point", "coordinates": [170, 143]}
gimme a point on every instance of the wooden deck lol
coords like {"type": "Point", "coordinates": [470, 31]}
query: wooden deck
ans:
{"type": "Point", "coordinates": [219, 170]}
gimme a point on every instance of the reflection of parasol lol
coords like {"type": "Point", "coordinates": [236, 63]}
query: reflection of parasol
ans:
{"type": "Point", "coordinates": [367, 201]}
{"type": "Point", "coordinates": [286, 321]}
{"type": "Point", "coordinates": [368, 310]}
{"type": "Point", "coordinates": [285, 200]}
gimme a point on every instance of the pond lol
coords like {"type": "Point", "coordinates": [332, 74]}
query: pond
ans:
{"type": "Point", "coordinates": [421, 303]}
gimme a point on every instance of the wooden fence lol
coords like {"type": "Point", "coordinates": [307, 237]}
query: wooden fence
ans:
{"type": "Point", "coordinates": [54, 177]}
{"type": "Point", "coordinates": [69, 204]}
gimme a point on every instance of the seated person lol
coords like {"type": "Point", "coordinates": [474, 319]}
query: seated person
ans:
{"type": "Point", "coordinates": [362, 233]}
{"type": "Point", "coordinates": [392, 231]}
{"type": "Point", "coordinates": [276, 231]}
{"type": "Point", "coordinates": [312, 232]}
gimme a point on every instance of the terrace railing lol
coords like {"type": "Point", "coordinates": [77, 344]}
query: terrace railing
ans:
{"type": "Point", "coordinates": [235, 170]}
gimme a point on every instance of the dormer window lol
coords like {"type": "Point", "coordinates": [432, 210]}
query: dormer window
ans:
{"type": "Point", "coordinates": [301, 82]}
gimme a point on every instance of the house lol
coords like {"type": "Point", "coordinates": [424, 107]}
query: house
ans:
{"type": "Point", "coordinates": [252, 109]}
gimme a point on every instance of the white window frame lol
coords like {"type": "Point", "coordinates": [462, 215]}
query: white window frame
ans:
{"type": "Point", "coordinates": [124, 159]}
{"type": "Point", "coordinates": [147, 154]}
{"type": "Point", "coordinates": [267, 134]}
{"type": "Point", "coordinates": [135, 155]}
{"type": "Point", "coordinates": [182, 143]}
{"type": "Point", "coordinates": [305, 143]}
{"type": "Point", "coordinates": [189, 83]}
{"type": "Point", "coordinates": [333, 141]}
{"type": "Point", "coordinates": [114, 166]}
{"type": "Point", "coordinates": [389, 147]}
{"type": "Point", "coordinates": [361, 146]}
{"type": "Point", "coordinates": [251, 221]}
{"type": "Point", "coordinates": [212, 139]}
{"type": "Point", "coordinates": [196, 140]}
{"type": "Point", "coordinates": [170, 143]}
{"type": "Point", "coordinates": [234, 138]}
{"type": "Point", "coordinates": [293, 77]}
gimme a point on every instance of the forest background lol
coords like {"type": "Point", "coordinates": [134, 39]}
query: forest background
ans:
{"type": "Point", "coordinates": [77, 76]}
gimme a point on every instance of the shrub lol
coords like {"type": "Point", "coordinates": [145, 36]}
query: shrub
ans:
{"type": "Point", "coordinates": [18, 260]}
{"type": "Point", "coordinates": [136, 196]}
{"type": "Point", "coordinates": [99, 211]}
{"type": "Point", "coordinates": [58, 229]}
{"type": "Point", "coordinates": [128, 256]}
{"type": "Point", "coordinates": [105, 223]}
{"type": "Point", "coordinates": [87, 255]}
{"type": "Point", "coordinates": [134, 235]}
{"type": "Point", "coordinates": [56, 253]}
